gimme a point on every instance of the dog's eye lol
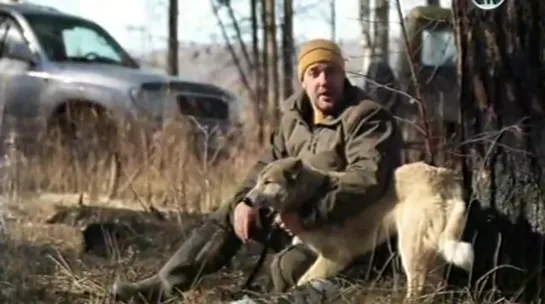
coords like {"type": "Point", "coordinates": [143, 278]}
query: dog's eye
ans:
{"type": "Point", "coordinates": [266, 182]}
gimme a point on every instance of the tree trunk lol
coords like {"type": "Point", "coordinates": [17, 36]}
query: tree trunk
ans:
{"type": "Point", "coordinates": [380, 30]}
{"type": "Point", "coordinates": [172, 63]}
{"type": "Point", "coordinates": [272, 51]}
{"type": "Point", "coordinates": [365, 26]}
{"type": "Point", "coordinates": [265, 58]}
{"type": "Point", "coordinates": [502, 104]}
{"type": "Point", "coordinates": [287, 48]}
{"type": "Point", "coordinates": [257, 72]}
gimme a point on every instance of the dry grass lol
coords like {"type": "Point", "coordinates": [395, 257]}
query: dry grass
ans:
{"type": "Point", "coordinates": [43, 263]}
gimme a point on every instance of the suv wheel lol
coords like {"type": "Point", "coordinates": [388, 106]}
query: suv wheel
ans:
{"type": "Point", "coordinates": [82, 127]}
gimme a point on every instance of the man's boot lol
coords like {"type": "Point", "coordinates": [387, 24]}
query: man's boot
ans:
{"type": "Point", "coordinates": [206, 250]}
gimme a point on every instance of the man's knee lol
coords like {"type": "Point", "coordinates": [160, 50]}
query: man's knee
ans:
{"type": "Point", "coordinates": [289, 265]}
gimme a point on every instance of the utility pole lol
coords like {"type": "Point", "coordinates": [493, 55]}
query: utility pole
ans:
{"type": "Point", "coordinates": [172, 59]}
{"type": "Point", "coordinates": [151, 17]}
{"type": "Point", "coordinates": [333, 20]}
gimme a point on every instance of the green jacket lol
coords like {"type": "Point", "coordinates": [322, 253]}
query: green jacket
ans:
{"type": "Point", "coordinates": [368, 144]}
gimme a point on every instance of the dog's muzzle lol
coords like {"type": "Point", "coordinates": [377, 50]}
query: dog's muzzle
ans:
{"type": "Point", "coordinates": [255, 200]}
{"type": "Point", "coordinates": [246, 200]}
{"type": "Point", "coordinates": [252, 199]}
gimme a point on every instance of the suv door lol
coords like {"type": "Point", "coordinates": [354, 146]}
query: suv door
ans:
{"type": "Point", "coordinates": [20, 90]}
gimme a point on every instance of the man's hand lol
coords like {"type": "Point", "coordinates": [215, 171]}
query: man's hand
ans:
{"type": "Point", "coordinates": [290, 222]}
{"type": "Point", "coordinates": [244, 218]}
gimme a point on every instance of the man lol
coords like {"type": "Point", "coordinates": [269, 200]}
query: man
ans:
{"type": "Point", "coordinates": [327, 115]}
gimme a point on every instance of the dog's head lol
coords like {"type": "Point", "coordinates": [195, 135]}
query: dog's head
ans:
{"type": "Point", "coordinates": [284, 185]}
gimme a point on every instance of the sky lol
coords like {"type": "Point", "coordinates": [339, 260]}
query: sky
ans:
{"type": "Point", "coordinates": [197, 22]}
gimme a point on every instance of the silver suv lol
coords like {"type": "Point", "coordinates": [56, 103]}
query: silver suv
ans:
{"type": "Point", "coordinates": [51, 61]}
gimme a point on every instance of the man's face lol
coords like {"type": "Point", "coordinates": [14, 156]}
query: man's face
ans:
{"type": "Point", "coordinates": [324, 85]}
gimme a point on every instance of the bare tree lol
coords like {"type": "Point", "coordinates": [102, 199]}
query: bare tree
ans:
{"type": "Point", "coordinates": [238, 33]}
{"type": "Point", "coordinates": [172, 59]}
{"type": "Point", "coordinates": [236, 59]}
{"type": "Point", "coordinates": [365, 25]}
{"type": "Point", "coordinates": [257, 72]}
{"type": "Point", "coordinates": [252, 63]}
{"type": "Point", "coordinates": [381, 30]}
{"type": "Point", "coordinates": [287, 48]}
{"type": "Point", "coordinates": [265, 56]}
{"type": "Point", "coordinates": [501, 69]}
{"type": "Point", "coordinates": [272, 52]}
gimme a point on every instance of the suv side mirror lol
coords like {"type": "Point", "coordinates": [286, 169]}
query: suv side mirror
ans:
{"type": "Point", "coordinates": [18, 51]}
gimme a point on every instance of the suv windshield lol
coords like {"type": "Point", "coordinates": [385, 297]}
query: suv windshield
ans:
{"type": "Point", "coordinates": [71, 39]}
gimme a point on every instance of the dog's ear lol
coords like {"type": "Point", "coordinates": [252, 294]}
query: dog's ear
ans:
{"type": "Point", "coordinates": [296, 169]}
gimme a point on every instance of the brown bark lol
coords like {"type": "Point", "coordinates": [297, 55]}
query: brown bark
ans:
{"type": "Point", "coordinates": [380, 29]}
{"type": "Point", "coordinates": [272, 51]}
{"type": "Point", "coordinates": [287, 48]}
{"type": "Point", "coordinates": [501, 73]}
{"type": "Point", "coordinates": [257, 72]}
{"type": "Point", "coordinates": [264, 57]}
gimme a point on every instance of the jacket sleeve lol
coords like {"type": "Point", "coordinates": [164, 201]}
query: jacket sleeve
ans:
{"type": "Point", "coordinates": [373, 152]}
{"type": "Point", "coordinates": [276, 150]}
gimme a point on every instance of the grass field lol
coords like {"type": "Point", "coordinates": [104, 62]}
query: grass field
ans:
{"type": "Point", "coordinates": [42, 258]}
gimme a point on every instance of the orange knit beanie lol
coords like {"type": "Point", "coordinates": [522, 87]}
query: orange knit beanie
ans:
{"type": "Point", "coordinates": [318, 50]}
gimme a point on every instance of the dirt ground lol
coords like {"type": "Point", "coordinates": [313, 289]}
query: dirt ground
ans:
{"type": "Point", "coordinates": [44, 263]}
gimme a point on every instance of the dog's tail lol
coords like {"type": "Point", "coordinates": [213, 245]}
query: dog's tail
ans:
{"type": "Point", "coordinates": [451, 248]}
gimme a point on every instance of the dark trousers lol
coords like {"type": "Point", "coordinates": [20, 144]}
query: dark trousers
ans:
{"type": "Point", "coordinates": [210, 247]}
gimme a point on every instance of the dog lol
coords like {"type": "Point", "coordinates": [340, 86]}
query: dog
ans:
{"type": "Point", "coordinates": [423, 206]}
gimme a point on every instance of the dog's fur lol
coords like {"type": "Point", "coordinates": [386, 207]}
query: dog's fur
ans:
{"type": "Point", "coordinates": [423, 206]}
